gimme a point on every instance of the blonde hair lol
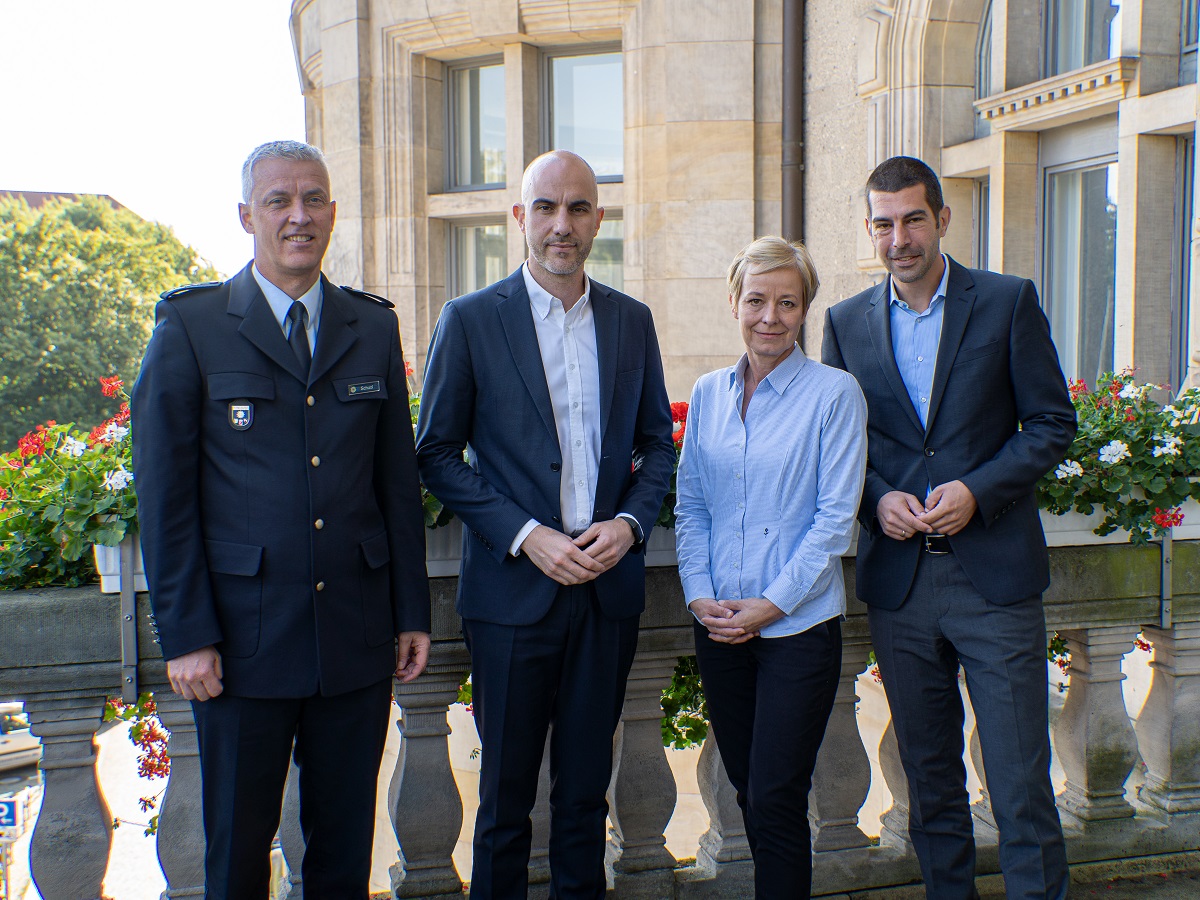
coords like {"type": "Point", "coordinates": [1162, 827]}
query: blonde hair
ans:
{"type": "Point", "coordinates": [766, 254]}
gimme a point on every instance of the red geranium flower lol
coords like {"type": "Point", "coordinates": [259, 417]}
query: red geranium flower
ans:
{"type": "Point", "coordinates": [34, 443]}
{"type": "Point", "coordinates": [4, 494]}
{"type": "Point", "coordinates": [1168, 518]}
{"type": "Point", "coordinates": [408, 369]}
{"type": "Point", "coordinates": [111, 386]}
{"type": "Point", "coordinates": [679, 413]}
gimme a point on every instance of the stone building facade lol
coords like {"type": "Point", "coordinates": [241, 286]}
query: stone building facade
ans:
{"type": "Point", "coordinates": [1064, 131]}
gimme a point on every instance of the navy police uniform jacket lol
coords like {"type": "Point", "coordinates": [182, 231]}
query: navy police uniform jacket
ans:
{"type": "Point", "coordinates": [280, 516]}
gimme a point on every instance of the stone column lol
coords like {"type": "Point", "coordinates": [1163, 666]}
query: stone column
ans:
{"type": "Point", "coordinates": [894, 822]}
{"type": "Point", "coordinates": [180, 838]}
{"type": "Point", "coordinates": [981, 808]}
{"type": "Point", "coordinates": [290, 835]}
{"type": "Point", "coordinates": [725, 840]}
{"type": "Point", "coordinates": [423, 800]}
{"type": "Point", "coordinates": [69, 851]}
{"type": "Point", "coordinates": [1168, 729]}
{"type": "Point", "coordinates": [539, 849]}
{"type": "Point", "coordinates": [842, 777]}
{"type": "Point", "coordinates": [1093, 736]}
{"type": "Point", "coordinates": [641, 795]}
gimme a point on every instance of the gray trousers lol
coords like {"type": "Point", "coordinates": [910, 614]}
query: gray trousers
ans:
{"type": "Point", "coordinates": [945, 623]}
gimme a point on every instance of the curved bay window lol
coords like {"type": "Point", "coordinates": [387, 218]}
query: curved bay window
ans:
{"type": "Point", "coordinates": [1080, 266]}
{"type": "Point", "coordinates": [1081, 32]}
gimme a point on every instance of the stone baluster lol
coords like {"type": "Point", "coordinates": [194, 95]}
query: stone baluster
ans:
{"type": "Point", "coordinates": [69, 851]}
{"type": "Point", "coordinates": [1093, 736]}
{"type": "Point", "coordinates": [180, 838]}
{"type": "Point", "coordinates": [539, 850]}
{"type": "Point", "coordinates": [423, 800]}
{"type": "Point", "coordinates": [724, 844]}
{"type": "Point", "coordinates": [641, 795]}
{"type": "Point", "coordinates": [290, 835]}
{"type": "Point", "coordinates": [842, 777]}
{"type": "Point", "coordinates": [894, 822]}
{"type": "Point", "coordinates": [1168, 728]}
{"type": "Point", "coordinates": [981, 808]}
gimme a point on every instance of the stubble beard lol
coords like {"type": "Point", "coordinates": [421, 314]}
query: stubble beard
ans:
{"type": "Point", "coordinates": [561, 267]}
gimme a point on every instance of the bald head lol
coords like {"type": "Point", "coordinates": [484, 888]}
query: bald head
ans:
{"type": "Point", "coordinates": [560, 215]}
{"type": "Point", "coordinates": [554, 164]}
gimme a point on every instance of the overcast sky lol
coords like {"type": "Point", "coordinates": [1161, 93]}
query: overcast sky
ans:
{"type": "Point", "coordinates": [154, 102]}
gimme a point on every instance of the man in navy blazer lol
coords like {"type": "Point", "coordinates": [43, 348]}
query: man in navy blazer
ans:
{"type": "Point", "coordinates": [966, 408]}
{"type": "Point", "coordinates": [281, 523]}
{"type": "Point", "coordinates": [553, 384]}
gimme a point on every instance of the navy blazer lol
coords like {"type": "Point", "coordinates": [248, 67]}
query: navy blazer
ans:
{"type": "Point", "coordinates": [295, 545]}
{"type": "Point", "coordinates": [999, 418]}
{"type": "Point", "coordinates": [485, 390]}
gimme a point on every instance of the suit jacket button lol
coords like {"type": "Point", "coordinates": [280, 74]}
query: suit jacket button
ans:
{"type": "Point", "coordinates": [554, 467]}
{"type": "Point", "coordinates": [310, 400]}
{"type": "Point", "coordinates": [320, 585]}
{"type": "Point", "coordinates": [316, 461]}
{"type": "Point", "coordinates": [929, 451]}
{"type": "Point", "coordinates": [319, 524]}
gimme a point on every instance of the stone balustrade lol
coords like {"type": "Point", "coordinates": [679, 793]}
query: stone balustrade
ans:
{"type": "Point", "coordinates": [60, 654]}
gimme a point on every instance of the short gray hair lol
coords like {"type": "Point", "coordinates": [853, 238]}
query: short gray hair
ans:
{"type": "Point", "coordinates": [297, 150]}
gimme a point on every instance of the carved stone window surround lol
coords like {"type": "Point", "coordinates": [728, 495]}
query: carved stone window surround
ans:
{"type": "Point", "coordinates": [1085, 93]}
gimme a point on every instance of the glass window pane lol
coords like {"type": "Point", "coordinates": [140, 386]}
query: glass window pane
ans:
{"type": "Point", "coordinates": [479, 257]}
{"type": "Point", "coordinates": [983, 199]}
{"type": "Point", "coordinates": [606, 263]}
{"type": "Point", "coordinates": [587, 110]}
{"type": "Point", "coordinates": [1081, 32]}
{"type": "Point", "coordinates": [1189, 38]}
{"type": "Point", "coordinates": [1081, 258]}
{"type": "Point", "coordinates": [983, 56]}
{"type": "Point", "coordinates": [477, 126]}
{"type": "Point", "coordinates": [1181, 283]}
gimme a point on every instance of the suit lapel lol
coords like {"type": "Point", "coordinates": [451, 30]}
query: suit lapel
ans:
{"type": "Point", "coordinates": [517, 320]}
{"type": "Point", "coordinates": [259, 325]}
{"type": "Point", "coordinates": [879, 327]}
{"type": "Point", "coordinates": [335, 335]}
{"type": "Point", "coordinates": [960, 298]}
{"type": "Point", "coordinates": [607, 316]}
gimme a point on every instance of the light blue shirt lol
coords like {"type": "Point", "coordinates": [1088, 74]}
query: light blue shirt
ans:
{"type": "Point", "coordinates": [766, 507]}
{"type": "Point", "coordinates": [280, 303]}
{"type": "Point", "coordinates": [915, 338]}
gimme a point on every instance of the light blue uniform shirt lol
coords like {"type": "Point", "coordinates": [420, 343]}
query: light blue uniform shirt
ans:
{"type": "Point", "coordinates": [280, 303]}
{"type": "Point", "coordinates": [766, 507]}
{"type": "Point", "coordinates": [915, 339]}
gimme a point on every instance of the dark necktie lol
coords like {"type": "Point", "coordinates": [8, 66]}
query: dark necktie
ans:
{"type": "Point", "coordinates": [298, 334]}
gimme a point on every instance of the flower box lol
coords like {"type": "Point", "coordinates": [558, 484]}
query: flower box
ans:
{"type": "Point", "coordinates": [108, 567]}
{"type": "Point", "coordinates": [443, 549]}
{"type": "Point", "coordinates": [1074, 529]}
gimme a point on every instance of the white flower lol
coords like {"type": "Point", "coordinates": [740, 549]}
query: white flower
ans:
{"type": "Point", "coordinates": [118, 479]}
{"type": "Point", "coordinates": [1132, 390]}
{"type": "Point", "coordinates": [1114, 452]}
{"type": "Point", "coordinates": [72, 447]}
{"type": "Point", "coordinates": [1069, 468]}
{"type": "Point", "coordinates": [1170, 445]}
{"type": "Point", "coordinates": [115, 433]}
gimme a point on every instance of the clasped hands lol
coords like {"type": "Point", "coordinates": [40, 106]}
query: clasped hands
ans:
{"type": "Point", "coordinates": [947, 510]}
{"type": "Point", "coordinates": [578, 560]}
{"type": "Point", "coordinates": [735, 621]}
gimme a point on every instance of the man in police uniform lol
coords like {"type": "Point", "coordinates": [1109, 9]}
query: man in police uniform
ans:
{"type": "Point", "coordinates": [282, 529]}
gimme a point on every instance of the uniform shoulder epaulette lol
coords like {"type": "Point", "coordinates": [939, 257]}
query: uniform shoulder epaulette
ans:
{"type": "Point", "coordinates": [367, 295]}
{"type": "Point", "coordinates": [188, 288]}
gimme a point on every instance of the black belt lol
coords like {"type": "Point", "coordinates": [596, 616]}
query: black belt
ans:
{"type": "Point", "coordinates": [937, 544]}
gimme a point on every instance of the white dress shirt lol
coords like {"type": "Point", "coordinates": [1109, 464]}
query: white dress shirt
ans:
{"type": "Point", "coordinates": [567, 341]}
{"type": "Point", "coordinates": [280, 303]}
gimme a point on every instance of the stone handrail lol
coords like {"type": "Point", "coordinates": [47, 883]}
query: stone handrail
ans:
{"type": "Point", "coordinates": [60, 654]}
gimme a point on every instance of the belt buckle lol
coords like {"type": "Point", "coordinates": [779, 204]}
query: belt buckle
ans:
{"type": "Point", "coordinates": [929, 546]}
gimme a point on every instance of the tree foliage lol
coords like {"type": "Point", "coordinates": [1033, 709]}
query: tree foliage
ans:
{"type": "Point", "coordinates": [78, 283]}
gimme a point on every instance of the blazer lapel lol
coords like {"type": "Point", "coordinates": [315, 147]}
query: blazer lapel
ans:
{"type": "Point", "coordinates": [960, 298]}
{"type": "Point", "coordinates": [259, 325]}
{"type": "Point", "coordinates": [879, 327]}
{"type": "Point", "coordinates": [335, 336]}
{"type": "Point", "coordinates": [513, 307]}
{"type": "Point", "coordinates": [607, 316]}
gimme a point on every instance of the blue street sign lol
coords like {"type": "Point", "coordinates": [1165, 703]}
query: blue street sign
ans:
{"type": "Point", "coordinates": [8, 813]}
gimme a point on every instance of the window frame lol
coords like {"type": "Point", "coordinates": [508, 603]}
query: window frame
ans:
{"type": "Point", "coordinates": [546, 94]}
{"type": "Point", "coordinates": [451, 109]}
{"type": "Point", "coordinates": [1181, 269]}
{"type": "Point", "coordinates": [453, 287]}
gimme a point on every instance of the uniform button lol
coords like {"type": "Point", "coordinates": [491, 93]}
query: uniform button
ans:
{"type": "Point", "coordinates": [320, 585]}
{"type": "Point", "coordinates": [319, 524]}
{"type": "Point", "coordinates": [316, 461]}
{"type": "Point", "coordinates": [554, 467]}
{"type": "Point", "coordinates": [929, 451]}
{"type": "Point", "coordinates": [310, 401]}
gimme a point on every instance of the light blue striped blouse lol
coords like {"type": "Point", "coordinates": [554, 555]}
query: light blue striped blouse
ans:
{"type": "Point", "coordinates": [766, 507]}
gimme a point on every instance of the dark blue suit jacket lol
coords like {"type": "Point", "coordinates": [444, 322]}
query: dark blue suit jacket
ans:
{"type": "Point", "coordinates": [228, 516]}
{"type": "Point", "coordinates": [999, 418]}
{"type": "Point", "coordinates": [485, 390]}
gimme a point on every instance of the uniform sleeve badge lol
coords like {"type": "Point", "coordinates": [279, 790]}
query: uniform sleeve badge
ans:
{"type": "Point", "coordinates": [241, 414]}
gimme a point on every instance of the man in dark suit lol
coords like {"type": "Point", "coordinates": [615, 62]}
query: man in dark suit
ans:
{"type": "Point", "coordinates": [966, 408]}
{"type": "Point", "coordinates": [553, 383]}
{"type": "Point", "coordinates": [282, 529]}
